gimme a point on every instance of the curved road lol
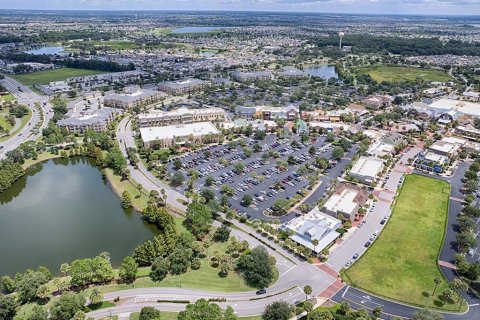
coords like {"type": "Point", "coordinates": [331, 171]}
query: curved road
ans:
{"type": "Point", "coordinates": [26, 96]}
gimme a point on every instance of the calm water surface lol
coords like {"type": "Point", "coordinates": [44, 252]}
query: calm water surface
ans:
{"type": "Point", "coordinates": [46, 50]}
{"type": "Point", "coordinates": [60, 211]}
{"type": "Point", "coordinates": [324, 71]}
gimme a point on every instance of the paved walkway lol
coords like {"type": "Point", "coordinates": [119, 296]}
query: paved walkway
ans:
{"type": "Point", "coordinates": [447, 264]}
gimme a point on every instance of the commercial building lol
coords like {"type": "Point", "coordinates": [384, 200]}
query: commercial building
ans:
{"type": "Point", "coordinates": [180, 134]}
{"type": "Point", "coordinates": [251, 75]}
{"type": "Point", "coordinates": [314, 225]}
{"type": "Point", "coordinates": [378, 101]}
{"type": "Point", "coordinates": [468, 131]}
{"type": "Point", "coordinates": [291, 72]}
{"type": "Point", "coordinates": [55, 87]}
{"type": "Point", "coordinates": [366, 169]}
{"type": "Point", "coordinates": [96, 120]}
{"type": "Point", "coordinates": [182, 86]}
{"type": "Point", "coordinates": [460, 107]}
{"type": "Point", "coordinates": [448, 146]}
{"type": "Point", "coordinates": [181, 115]}
{"type": "Point", "coordinates": [346, 200]}
{"type": "Point", "coordinates": [288, 113]}
{"type": "Point", "coordinates": [132, 97]}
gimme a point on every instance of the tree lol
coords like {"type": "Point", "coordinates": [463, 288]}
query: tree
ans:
{"type": "Point", "coordinates": [128, 270]}
{"type": "Point", "coordinates": [437, 281]}
{"type": "Point", "coordinates": [377, 311]}
{"type": "Point", "coordinates": [338, 153]}
{"type": "Point", "coordinates": [247, 200]}
{"type": "Point", "coordinates": [204, 310]}
{"type": "Point", "coordinates": [279, 310]}
{"type": "Point", "coordinates": [320, 315]}
{"type": "Point", "coordinates": [238, 167]}
{"type": "Point", "coordinates": [199, 219]}
{"type": "Point", "coordinates": [308, 291]}
{"type": "Point", "coordinates": [426, 314]}
{"type": "Point", "coordinates": [447, 294]}
{"type": "Point", "coordinates": [179, 260]}
{"type": "Point", "coordinates": [177, 179]}
{"type": "Point", "coordinates": [126, 200]}
{"type": "Point", "coordinates": [7, 307]}
{"type": "Point", "coordinates": [67, 306]}
{"type": "Point", "coordinates": [8, 284]}
{"type": "Point", "coordinates": [466, 240]}
{"type": "Point", "coordinates": [315, 243]}
{"type": "Point", "coordinates": [160, 268]}
{"type": "Point", "coordinates": [149, 313]}
{"type": "Point", "coordinates": [96, 297]}
{"type": "Point", "coordinates": [177, 164]}
{"type": "Point", "coordinates": [65, 269]}
{"type": "Point", "coordinates": [256, 268]}
{"type": "Point", "coordinates": [458, 285]}
{"type": "Point", "coordinates": [28, 284]}
{"type": "Point", "coordinates": [38, 313]}
{"type": "Point", "coordinates": [280, 206]}
{"type": "Point", "coordinates": [116, 161]}
{"type": "Point", "coordinates": [222, 234]}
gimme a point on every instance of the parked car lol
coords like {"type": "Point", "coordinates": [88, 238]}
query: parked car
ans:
{"type": "Point", "coordinates": [367, 244]}
{"type": "Point", "coordinates": [355, 256]}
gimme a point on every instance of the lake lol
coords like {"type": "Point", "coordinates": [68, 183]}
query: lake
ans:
{"type": "Point", "coordinates": [324, 71]}
{"type": "Point", "coordinates": [47, 50]}
{"type": "Point", "coordinates": [196, 29]}
{"type": "Point", "coordinates": [62, 210]}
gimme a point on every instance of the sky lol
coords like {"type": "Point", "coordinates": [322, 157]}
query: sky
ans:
{"type": "Point", "coordinates": [432, 7]}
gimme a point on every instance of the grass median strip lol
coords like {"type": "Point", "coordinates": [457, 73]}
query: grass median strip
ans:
{"type": "Point", "coordinates": [403, 263]}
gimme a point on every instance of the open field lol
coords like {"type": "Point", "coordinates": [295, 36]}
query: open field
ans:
{"type": "Point", "coordinates": [403, 74]}
{"type": "Point", "coordinates": [402, 263]}
{"type": "Point", "coordinates": [45, 77]}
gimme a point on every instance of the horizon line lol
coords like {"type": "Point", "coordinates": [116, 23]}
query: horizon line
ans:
{"type": "Point", "coordinates": [247, 11]}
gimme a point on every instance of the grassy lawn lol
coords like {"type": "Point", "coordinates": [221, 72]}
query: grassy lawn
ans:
{"type": "Point", "coordinates": [403, 74]}
{"type": "Point", "coordinates": [173, 316]}
{"type": "Point", "coordinates": [44, 156]}
{"type": "Point", "coordinates": [23, 123]}
{"type": "Point", "coordinates": [402, 263]}
{"type": "Point", "coordinates": [111, 44]}
{"type": "Point", "coordinates": [47, 76]}
{"type": "Point", "coordinates": [6, 98]}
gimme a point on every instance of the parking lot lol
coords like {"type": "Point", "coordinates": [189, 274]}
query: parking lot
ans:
{"type": "Point", "coordinates": [264, 179]}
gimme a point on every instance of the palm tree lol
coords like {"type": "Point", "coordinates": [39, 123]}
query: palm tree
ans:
{"type": "Point", "coordinates": [437, 281]}
{"type": "Point", "coordinates": [308, 291]}
{"type": "Point", "coordinates": [459, 285]}
{"type": "Point", "coordinates": [96, 296]}
{"type": "Point", "coordinates": [315, 244]}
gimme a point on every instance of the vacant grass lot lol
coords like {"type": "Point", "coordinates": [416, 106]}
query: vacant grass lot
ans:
{"type": "Point", "coordinates": [47, 76]}
{"type": "Point", "coordinates": [402, 263]}
{"type": "Point", "coordinates": [403, 74]}
{"type": "Point", "coordinates": [173, 316]}
{"type": "Point", "coordinates": [3, 122]}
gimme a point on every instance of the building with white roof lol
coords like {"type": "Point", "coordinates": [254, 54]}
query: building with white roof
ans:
{"type": "Point", "coordinates": [346, 200]}
{"type": "Point", "coordinates": [366, 169]}
{"type": "Point", "coordinates": [314, 225]}
{"type": "Point", "coordinates": [448, 146]}
{"type": "Point", "coordinates": [252, 75]}
{"type": "Point", "coordinates": [167, 136]}
{"type": "Point", "coordinates": [461, 107]}
{"type": "Point", "coordinates": [181, 115]}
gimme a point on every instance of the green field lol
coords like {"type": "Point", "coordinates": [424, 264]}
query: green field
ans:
{"type": "Point", "coordinates": [402, 263]}
{"type": "Point", "coordinates": [45, 77]}
{"type": "Point", "coordinates": [403, 74]}
{"type": "Point", "coordinates": [111, 44]}
{"type": "Point", "coordinates": [6, 98]}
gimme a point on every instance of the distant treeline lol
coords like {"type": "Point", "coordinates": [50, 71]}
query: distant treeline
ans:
{"type": "Point", "coordinates": [65, 35]}
{"type": "Point", "coordinates": [27, 57]}
{"type": "Point", "coordinates": [5, 38]}
{"type": "Point", "coordinates": [98, 65]}
{"type": "Point", "coordinates": [364, 43]}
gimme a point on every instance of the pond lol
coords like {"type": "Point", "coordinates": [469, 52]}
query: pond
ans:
{"type": "Point", "coordinates": [60, 211]}
{"type": "Point", "coordinates": [324, 71]}
{"type": "Point", "coordinates": [47, 50]}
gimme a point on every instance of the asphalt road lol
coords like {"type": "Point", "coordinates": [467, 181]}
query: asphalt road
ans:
{"type": "Point", "coordinates": [27, 97]}
{"type": "Point", "coordinates": [142, 175]}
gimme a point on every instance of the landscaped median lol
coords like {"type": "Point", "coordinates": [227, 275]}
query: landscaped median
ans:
{"type": "Point", "coordinates": [403, 262]}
